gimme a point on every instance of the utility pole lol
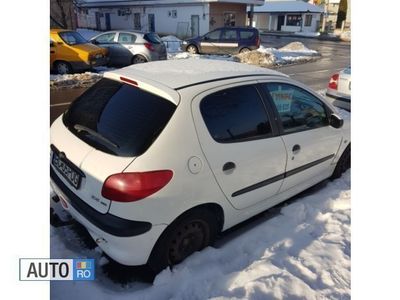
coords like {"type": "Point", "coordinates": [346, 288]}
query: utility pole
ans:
{"type": "Point", "coordinates": [251, 15]}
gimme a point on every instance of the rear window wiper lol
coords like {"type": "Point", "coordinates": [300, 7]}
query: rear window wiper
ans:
{"type": "Point", "coordinates": [79, 128]}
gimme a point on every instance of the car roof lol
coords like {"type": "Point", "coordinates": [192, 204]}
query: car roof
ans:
{"type": "Point", "coordinates": [179, 74]}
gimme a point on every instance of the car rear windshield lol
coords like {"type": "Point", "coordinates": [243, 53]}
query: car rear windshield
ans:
{"type": "Point", "coordinates": [118, 118]}
{"type": "Point", "coordinates": [72, 38]}
{"type": "Point", "coordinates": [152, 38]}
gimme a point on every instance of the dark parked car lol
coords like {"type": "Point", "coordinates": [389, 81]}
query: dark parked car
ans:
{"type": "Point", "coordinates": [227, 40]}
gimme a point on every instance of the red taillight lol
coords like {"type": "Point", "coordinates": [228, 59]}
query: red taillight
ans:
{"type": "Point", "coordinates": [130, 81]}
{"type": "Point", "coordinates": [333, 83]}
{"type": "Point", "coordinates": [258, 41]}
{"type": "Point", "coordinates": [129, 187]}
{"type": "Point", "coordinates": [149, 46]}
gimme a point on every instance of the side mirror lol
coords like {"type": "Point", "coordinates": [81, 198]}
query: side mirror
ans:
{"type": "Point", "coordinates": [335, 121]}
{"type": "Point", "coordinates": [94, 42]}
{"type": "Point", "coordinates": [206, 38]}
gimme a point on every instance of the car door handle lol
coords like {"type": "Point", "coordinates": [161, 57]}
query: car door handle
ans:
{"type": "Point", "coordinates": [296, 148]}
{"type": "Point", "coordinates": [228, 166]}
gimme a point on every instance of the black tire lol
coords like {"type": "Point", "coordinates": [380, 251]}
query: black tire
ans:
{"type": "Point", "coordinates": [192, 49]}
{"type": "Point", "coordinates": [191, 232]}
{"type": "Point", "coordinates": [62, 67]}
{"type": "Point", "coordinates": [244, 50]}
{"type": "Point", "coordinates": [138, 59]}
{"type": "Point", "coordinates": [343, 163]}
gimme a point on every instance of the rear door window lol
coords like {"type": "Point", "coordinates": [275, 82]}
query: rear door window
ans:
{"type": "Point", "coordinates": [235, 115]}
{"type": "Point", "coordinates": [118, 118]}
{"type": "Point", "coordinates": [229, 34]}
{"type": "Point", "coordinates": [246, 34]}
{"type": "Point", "coordinates": [126, 38]}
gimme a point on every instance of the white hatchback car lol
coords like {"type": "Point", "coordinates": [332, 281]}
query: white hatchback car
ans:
{"type": "Point", "coordinates": [156, 159]}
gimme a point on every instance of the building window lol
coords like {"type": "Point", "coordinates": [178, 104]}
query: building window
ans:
{"type": "Point", "coordinates": [308, 21]}
{"type": "Point", "coordinates": [293, 20]}
{"type": "Point", "coordinates": [136, 21]}
{"type": "Point", "coordinates": [229, 19]}
{"type": "Point", "coordinates": [174, 14]}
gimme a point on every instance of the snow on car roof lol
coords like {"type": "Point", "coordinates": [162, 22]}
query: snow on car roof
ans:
{"type": "Point", "coordinates": [177, 74]}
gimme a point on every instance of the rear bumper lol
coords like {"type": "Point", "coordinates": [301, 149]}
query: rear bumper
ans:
{"type": "Point", "coordinates": [127, 242]}
{"type": "Point", "coordinates": [339, 101]}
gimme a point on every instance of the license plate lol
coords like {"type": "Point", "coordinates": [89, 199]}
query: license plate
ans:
{"type": "Point", "coordinates": [66, 169]}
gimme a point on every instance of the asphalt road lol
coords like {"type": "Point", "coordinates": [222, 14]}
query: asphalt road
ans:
{"type": "Point", "coordinates": [334, 56]}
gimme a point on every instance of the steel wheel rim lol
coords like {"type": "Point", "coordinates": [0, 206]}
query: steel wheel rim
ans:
{"type": "Point", "coordinates": [62, 68]}
{"type": "Point", "coordinates": [189, 238]}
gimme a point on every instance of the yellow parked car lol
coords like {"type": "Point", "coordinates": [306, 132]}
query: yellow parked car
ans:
{"type": "Point", "coordinates": [70, 52]}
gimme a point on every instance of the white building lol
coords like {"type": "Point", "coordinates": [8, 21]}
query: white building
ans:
{"type": "Point", "coordinates": [183, 18]}
{"type": "Point", "coordinates": [288, 16]}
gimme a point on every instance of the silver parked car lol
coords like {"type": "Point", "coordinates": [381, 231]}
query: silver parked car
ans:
{"type": "Point", "coordinates": [131, 47]}
{"type": "Point", "coordinates": [339, 89]}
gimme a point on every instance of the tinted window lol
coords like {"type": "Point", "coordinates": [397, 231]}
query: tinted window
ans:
{"type": "Point", "coordinates": [106, 38]}
{"type": "Point", "coordinates": [229, 35]}
{"type": "Point", "coordinates": [213, 35]}
{"type": "Point", "coordinates": [118, 118]}
{"type": "Point", "coordinates": [72, 38]}
{"type": "Point", "coordinates": [126, 38]}
{"type": "Point", "coordinates": [235, 115]}
{"type": "Point", "coordinates": [298, 109]}
{"type": "Point", "coordinates": [246, 34]}
{"type": "Point", "coordinates": [152, 38]}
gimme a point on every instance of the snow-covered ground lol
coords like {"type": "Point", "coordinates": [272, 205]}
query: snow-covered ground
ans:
{"type": "Point", "coordinates": [297, 251]}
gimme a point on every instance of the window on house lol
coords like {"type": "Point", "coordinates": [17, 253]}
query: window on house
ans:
{"type": "Point", "coordinates": [229, 19]}
{"type": "Point", "coordinates": [136, 21]}
{"type": "Point", "coordinates": [293, 20]}
{"type": "Point", "coordinates": [308, 21]}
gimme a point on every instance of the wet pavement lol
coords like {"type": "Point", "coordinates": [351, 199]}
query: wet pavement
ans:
{"type": "Point", "coordinates": [334, 57]}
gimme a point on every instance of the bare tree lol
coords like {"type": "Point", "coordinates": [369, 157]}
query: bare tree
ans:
{"type": "Point", "coordinates": [62, 13]}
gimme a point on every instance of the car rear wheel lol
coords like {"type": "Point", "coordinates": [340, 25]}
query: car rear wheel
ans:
{"type": "Point", "coordinates": [139, 59]}
{"type": "Point", "coordinates": [62, 67]}
{"type": "Point", "coordinates": [343, 164]}
{"type": "Point", "coordinates": [191, 232]}
{"type": "Point", "coordinates": [192, 49]}
{"type": "Point", "coordinates": [244, 50]}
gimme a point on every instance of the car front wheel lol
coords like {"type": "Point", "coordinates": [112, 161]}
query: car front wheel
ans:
{"type": "Point", "coordinates": [62, 67]}
{"type": "Point", "coordinates": [343, 164]}
{"type": "Point", "coordinates": [192, 49]}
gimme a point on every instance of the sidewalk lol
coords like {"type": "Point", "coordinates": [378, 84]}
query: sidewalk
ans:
{"type": "Point", "coordinates": [324, 37]}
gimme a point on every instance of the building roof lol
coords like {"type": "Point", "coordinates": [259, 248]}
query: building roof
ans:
{"type": "Point", "coordinates": [128, 3]}
{"type": "Point", "coordinates": [288, 6]}
{"type": "Point", "coordinates": [177, 74]}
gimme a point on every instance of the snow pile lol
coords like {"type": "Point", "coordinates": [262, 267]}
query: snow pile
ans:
{"type": "Point", "coordinates": [297, 47]}
{"type": "Point", "coordinates": [87, 33]}
{"type": "Point", "coordinates": [86, 79]}
{"type": "Point", "coordinates": [298, 251]}
{"type": "Point", "coordinates": [294, 52]}
{"type": "Point", "coordinates": [346, 36]}
{"type": "Point", "coordinates": [308, 34]}
{"type": "Point", "coordinates": [264, 59]}
{"type": "Point", "coordinates": [172, 43]}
